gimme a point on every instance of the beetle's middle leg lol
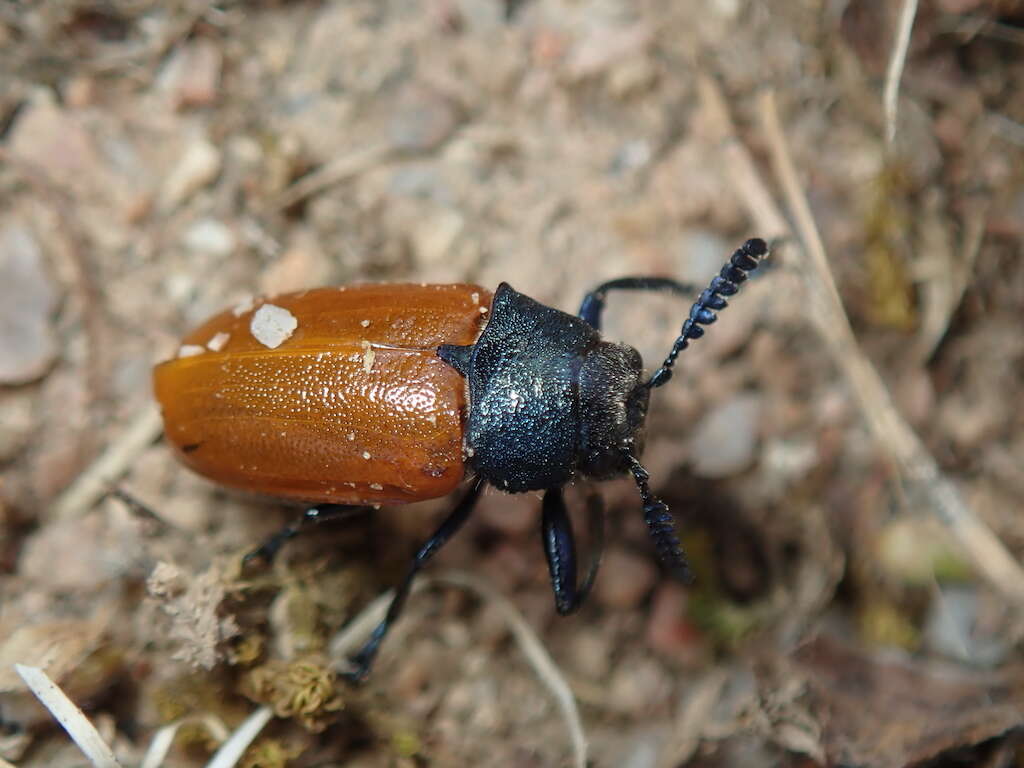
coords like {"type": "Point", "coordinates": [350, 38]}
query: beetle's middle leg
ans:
{"type": "Point", "coordinates": [321, 513]}
{"type": "Point", "coordinates": [363, 659]}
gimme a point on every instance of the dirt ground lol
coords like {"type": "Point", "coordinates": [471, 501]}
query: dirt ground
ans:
{"type": "Point", "coordinates": [845, 460]}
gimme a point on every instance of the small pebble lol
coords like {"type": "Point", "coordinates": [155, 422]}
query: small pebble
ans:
{"type": "Point", "coordinates": [56, 142]}
{"type": "Point", "coordinates": [17, 422]}
{"type": "Point", "coordinates": [422, 120]}
{"type": "Point", "coordinates": [669, 631]}
{"type": "Point", "coordinates": [625, 579]}
{"type": "Point", "coordinates": [953, 629]}
{"type": "Point", "coordinates": [198, 166]}
{"type": "Point", "coordinates": [303, 264]}
{"type": "Point", "coordinates": [28, 298]}
{"type": "Point", "coordinates": [640, 685]}
{"type": "Point", "coordinates": [192, 74]}
{"type": "Point", "coordinates": [210, 237]}
{"type": "Point", "coordinates": [725, 440]}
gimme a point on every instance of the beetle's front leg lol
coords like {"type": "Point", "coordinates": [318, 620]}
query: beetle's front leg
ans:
{"type": "Point", "coordinates": [560, 549]}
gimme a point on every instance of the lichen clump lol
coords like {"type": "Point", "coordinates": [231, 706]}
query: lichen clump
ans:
{"type": "Point", "coordinates": [305, 689]}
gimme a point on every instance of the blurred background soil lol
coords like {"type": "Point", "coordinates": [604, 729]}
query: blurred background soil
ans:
{"type": "Point", "coordinates": [162, 161]}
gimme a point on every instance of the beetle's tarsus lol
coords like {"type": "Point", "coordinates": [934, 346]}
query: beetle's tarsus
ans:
{"type": "Point", "coordinates": [359, 670]}
{"type": "Point", "coordinates": [268, 550]}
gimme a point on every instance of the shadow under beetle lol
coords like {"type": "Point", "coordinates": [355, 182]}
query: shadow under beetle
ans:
{"type": "Point", "coordinates": [389, 394]}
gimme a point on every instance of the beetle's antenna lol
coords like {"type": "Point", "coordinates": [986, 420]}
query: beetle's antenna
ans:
{"type": "Point", "coordinates": [660, 523]}
{"type": "Point", "coordinates": [726, 283]}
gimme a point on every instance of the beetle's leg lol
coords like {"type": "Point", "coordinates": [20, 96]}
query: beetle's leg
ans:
{"type": "Point", "coordinates": [725, 283]}
{"type": "Point", "coordinates": [560, 549]}
{"type": "Point", "coordinates": [660, 524]}
{"type": "Point", "coordinates": [268, 550]}
{"type": "Point", "coordinates": [593, 302]}
{"type": "Point", "coordinates": [363, 659]}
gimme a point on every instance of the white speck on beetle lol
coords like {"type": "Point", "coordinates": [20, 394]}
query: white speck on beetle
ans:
{"type": "Point", "coordinates": [475, 297]}
{"type": "Point", "coordinates": [432, 418]}
{"type": "Point", "coordinates": [272, 325]}
{"type": "Point", "coordinates": [368, 356]}
{"type": "Point", "coordinates": [366, 455]}
{"type": "Point", "coordinates": [218, 342]}
{"type": "Point", "coordinates": [190, 350]}
{"type": "Point", "coordinates": [243, 306]}
{"type": "Point", "coordinates": [483, 310]}
{"type": "Point", "coordinates": [377, 486]}
{"type": "Point", "coordinates": [351, 435]}
{"type": "Point", "coordinates": [364, 323]}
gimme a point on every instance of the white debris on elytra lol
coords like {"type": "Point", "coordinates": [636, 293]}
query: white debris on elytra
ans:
{"type": "Point", "coordinates": [218, 342]}
{"type": "Point", "coordinates": [366, 455]}
{"type": "Point", "coordinates": [272, 325]}
{"type": "Point", "coordinates": [377, 486]}
{"type": "Point", "coordinates": [243, 306]}
{"type": "Point", "coordinates": [364, 323]}
{"type": "Point", "coordinates": [368, 357]}
{"type": "Point", "coordinates": [190, 350]}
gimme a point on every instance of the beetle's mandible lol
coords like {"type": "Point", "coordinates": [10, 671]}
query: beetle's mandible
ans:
{"type": "Point", "coordinates": [380, 394]}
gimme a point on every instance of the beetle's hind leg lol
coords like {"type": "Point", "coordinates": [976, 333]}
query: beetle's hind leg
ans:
{"type": "Point", "coordinates": [363, 659]}
{"type": "Point", "coordinates": [560, 549]}
{"type": "Point", "coordinates": [321, 513]}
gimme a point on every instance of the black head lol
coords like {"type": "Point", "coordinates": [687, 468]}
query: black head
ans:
{"type": "Point", "coordinates": [613, 401]}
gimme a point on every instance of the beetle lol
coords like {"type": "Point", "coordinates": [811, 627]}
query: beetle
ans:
{"type": "Point", "coordinates": [389, 394]}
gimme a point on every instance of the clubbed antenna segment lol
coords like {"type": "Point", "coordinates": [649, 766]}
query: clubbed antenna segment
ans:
{"type": "Point", "coordinates": [726, 283]}
{"type": "Point", "coordinates": [660, 524]}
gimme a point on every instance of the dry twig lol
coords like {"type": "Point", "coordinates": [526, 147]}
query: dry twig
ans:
{"type": "Point", "coordinates": [694, 714]}
{"type": "Point", "coordinates": [96, 480]}
{"type": "Point", "coordinates": [71, 718]}
{"type": "Point", "coordinates": [894, 73]}
{"type": "Point", "coordinates": [160, 744]}
{"type": "Point", "coordinates": [335, 172]}
{"type": "Point", "coordinates": [233, 749]}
